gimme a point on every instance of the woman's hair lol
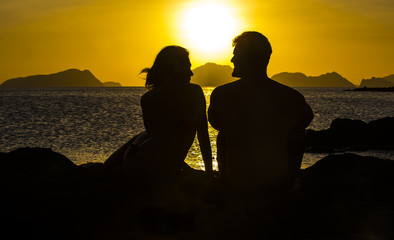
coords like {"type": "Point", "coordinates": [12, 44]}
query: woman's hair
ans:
{"type": "Point", "coordinates": [165, 66]}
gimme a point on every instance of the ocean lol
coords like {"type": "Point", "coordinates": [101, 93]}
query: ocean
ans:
{"type": "Point", "coordinates": [89, 124]}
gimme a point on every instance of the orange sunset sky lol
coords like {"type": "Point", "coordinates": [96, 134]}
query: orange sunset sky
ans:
{"type": "Point", "coordinates": [115, 39]}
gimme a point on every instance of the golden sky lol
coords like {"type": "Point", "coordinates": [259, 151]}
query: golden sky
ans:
{"type": "Point", "coordinates": [115, 39]}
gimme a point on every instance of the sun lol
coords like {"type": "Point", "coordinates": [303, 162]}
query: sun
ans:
{"type": "Point", "coordinates": [208, 27]}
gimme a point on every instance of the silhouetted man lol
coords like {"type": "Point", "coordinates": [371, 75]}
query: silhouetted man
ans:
{"type": "Point", "coordinates": [261, 122]}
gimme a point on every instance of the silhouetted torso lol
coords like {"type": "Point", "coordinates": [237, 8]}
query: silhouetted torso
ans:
{"type": "Point", "coordinates": [172, 115]}
{"type": "Point", "coordinates": [255, 118]}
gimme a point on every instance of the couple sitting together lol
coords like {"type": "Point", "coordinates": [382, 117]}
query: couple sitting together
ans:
{"type": "Point", "coordinates": [261, 122]}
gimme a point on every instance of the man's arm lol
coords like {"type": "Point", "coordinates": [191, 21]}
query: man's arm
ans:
{"type": "Point", "coordinates": [214, 114]}
{"type": "Point", "coordinates": [296, 141]}
{"type": "Point", "coordinates": [221, 153]}
{"type": "Point", "coordinates": [304, 113]}
{"type": "Point", "coordinates": [213, 110]}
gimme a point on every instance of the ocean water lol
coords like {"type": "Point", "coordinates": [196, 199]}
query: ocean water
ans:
{"type": "Point", "coordinates": [89, 124]}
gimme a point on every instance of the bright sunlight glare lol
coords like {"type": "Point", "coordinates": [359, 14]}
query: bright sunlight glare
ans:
{"type": "Point", "coordinates": [209, 27]}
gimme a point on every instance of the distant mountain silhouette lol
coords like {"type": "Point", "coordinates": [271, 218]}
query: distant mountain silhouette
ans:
{"type": "Point", "coordinates": [390, 78]}
{"type": "Point", "coordinates": [378, 82]}
{"type": "Point", "coordinates": [111, 84]}
{"type": "Point", "coordinates": [68, 78]}
{"type": "Point", "coordinates": [212, 74]}
{"type": "Point", "coordinates": [301, 80]}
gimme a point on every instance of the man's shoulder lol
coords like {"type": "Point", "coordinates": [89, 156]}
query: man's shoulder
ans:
{"type": "Point", "coordinates": [286, 89]}
{"type": "Point", "coordinates": [228, 86]}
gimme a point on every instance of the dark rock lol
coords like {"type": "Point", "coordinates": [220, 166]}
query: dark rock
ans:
{"type": "Point", "coordinates": [354, 135]}
{"type": "Point", "coordinates": [346, 195]}
{"type": "Point", "coordinates": [382, 133]}
{"type": "Point", "coordinates": [46, 196]}
{"type": "Point", "coordinates": [94, 169]}
{"type": "Point", "coordinates": [319, 141]}
{"type": "Point", "coordinates": [348, 133]}
{"type": "Point", "coordinates": [36, 165]}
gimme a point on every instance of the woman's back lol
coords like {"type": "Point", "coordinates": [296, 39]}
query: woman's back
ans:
{"type": "Point", "coordinates": [174, 111]}
{"type": "Point", "coordinates": [171, 117]}
{"type": "Point", "coordinates": [178, 104]}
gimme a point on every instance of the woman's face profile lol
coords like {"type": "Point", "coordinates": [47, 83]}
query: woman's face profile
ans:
{"type": "Point", "coordinates": [182, 69]}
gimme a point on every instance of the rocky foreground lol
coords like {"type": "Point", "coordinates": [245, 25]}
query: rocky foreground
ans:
{"type": "Point", "coordinates": [46, 196]}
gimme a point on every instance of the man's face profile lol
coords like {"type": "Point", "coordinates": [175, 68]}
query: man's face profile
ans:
{"type": "Point", "coordinates": [248, 61]}
{"type": "Point", "coordinates": [238, 61]}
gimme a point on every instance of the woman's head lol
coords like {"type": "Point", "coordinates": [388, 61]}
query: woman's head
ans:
{"type": "Point", "coordinates": [172, 65]}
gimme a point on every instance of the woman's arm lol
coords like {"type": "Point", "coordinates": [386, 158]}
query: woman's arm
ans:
{"type": "Point", "coordinates": [205, 146]}
{"type": "Point", "coordinates": [145, 103]}
{"type": "Point", "coordinates": [202, 134]}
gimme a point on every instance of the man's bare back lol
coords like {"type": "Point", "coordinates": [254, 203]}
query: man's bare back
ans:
{"type": "Point", "coordinates": [255, 117]}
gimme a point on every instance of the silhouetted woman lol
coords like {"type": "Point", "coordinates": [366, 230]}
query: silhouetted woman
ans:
{"type": "Point", "coordinates": [174, 110]}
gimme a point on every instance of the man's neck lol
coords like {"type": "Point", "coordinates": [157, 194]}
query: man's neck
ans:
{"type": "Point", "coordinates": [256, 76]}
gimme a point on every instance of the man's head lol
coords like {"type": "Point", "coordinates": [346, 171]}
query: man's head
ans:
{"type": "Point", "coordinates": [252, 52]}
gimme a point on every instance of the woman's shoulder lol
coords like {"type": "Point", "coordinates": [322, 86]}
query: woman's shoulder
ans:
{"type": "Point", "coordinates": [193, 90]}
{"type": "Point", "coordinates": [147, 97]}
{"type": "Point", "coordinates": [195, 87]}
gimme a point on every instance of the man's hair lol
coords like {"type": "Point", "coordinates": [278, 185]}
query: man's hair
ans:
{"type": "Point", "coordinates": [254, 45]}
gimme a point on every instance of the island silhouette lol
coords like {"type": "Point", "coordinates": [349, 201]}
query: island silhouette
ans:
{"type": "Point", "coordinates": [207, 75]}
{"type": "Point", "coordinates": [298, 79]}
{"type": "Point", "coordinates": [212, 75]}
{"type": "Point", "coordinates": [374, 82]}
{"type": "Point", "coordinates": [67, 78]}
{"type": "Point", "coordinates": [111, 84]}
